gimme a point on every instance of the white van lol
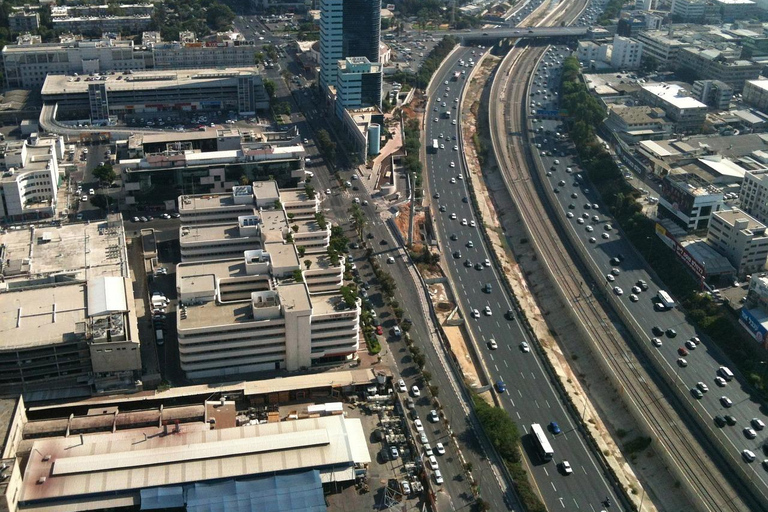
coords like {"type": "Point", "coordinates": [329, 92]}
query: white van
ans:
{"type": "Point", "coordinates": [725, 373]}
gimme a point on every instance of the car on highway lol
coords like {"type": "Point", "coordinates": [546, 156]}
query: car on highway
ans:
{"type": "Point", "coordinates": [500, 386]}
{"type": "Point", "coordinates": [656, 342]}
{"type": "Point", "coordinates": [525, 347]}
{"type": "Point", "coordinates": [682, 363]}
{"type": "Point", "coordinates": [730, 420]}
{"type": "Point", "coordinates": [487, 311]}
{"type": "Point", "coordinates": [671, 333]}
{"type": "Point", "coordinates": [492, 344]}
{"type": "Point", "coordinates": [696, 392]}
{"type": "Point", "coordinates": [748, 455]}
{"type": "Point", "coordinates": [682, 351]}
{"type": "Point", "coordinates": [617, 290]}
{"type": "Point", "coordinates": [720, 421]}
{"type": "Point", "coordinates": [703, 387]}
{"type": "Point", "coordinates": [726, 402]}
{"type": "Point", "coordinates": [757, 423]}
{"type": "Point", "coordinates": [749, 433]}
{"type": "Point", "coordinates": [565, 466]}
{"type": "Point", "coordinates": [721, 382]}
{"type": "Point", "coordinates": [657, 331]}
{"type": "Point", "coordinates": [554, 427]}
{"type": "Point", "coordinates": [475, 313]}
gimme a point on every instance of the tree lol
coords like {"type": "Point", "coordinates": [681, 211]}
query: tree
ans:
{"type": "Point", "coordinates": [105, 173]}
{"type": "Point", "coordinates": [101, 201]}
{"type": "Point", "coordinates": [349, 296]}
{"type": "Point", "coordinates": [298, 276]}
{"type": "Point", "coordinates": [269, 85]}
{"type": "Point", "coordinates": [358, 219]}
{"type": "Point", "coordinates": [219, 16]}
{"type": "Point", "coordinates": [301, 250]}
{"type": "Point", "coordinates": [307, 263]}
{"type": "Point", "coordinates": [244, 180]}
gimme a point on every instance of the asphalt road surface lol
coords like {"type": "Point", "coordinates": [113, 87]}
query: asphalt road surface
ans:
{"type": "Point", "coordinates": [529, 396]}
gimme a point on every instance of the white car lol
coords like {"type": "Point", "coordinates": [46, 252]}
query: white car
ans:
{"type": "Point", "coordinates": [567, 469]}
{"type": "Point", "coordinates": [401, 387]}
{"type": "Point", "coordinates": [487, 311]}
{"type": "Point", "coordinates": [453, 216]}
{"type": "Point", "coordinates": [492, 344]}
{"type": "Point", "coordinates": [433, 463]}
{"type": "Point", "coordinates": [453, 180]}
{"type": "Point", "coordinates": [720, 381]}
{"type": "Point", "coordinates": [390, 260]}
{"type": "Point", "coordinates": [433, 417]}
{"type": "Point", "coordinates": [475, 313]}
{"type": "Point", "coordinates": [525, 347]}
{"type": "Point", "coordinates": [464, 222]}
{"type": "Point", "coordinates": [455, 147]}
{"type": "Point", "coordinates": [472, 223]}
{"type": "Point", "coordinates": [702, 387]}
{"type": "Point", "coordinates": [440, 449]}
{"type": "Point", "coordinates": [438, 476]}
{"type": "Point", "coordinates": [453, 164]}
{"type": "Point", "coordinates": [415, 391]}
{"type": "Point", "coordinates": [419, 426]}
{"type": "Point", "coordinates": [618, 291]}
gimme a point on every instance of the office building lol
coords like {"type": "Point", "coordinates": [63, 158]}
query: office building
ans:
{"type": "Point", "coordinates": [732, 10]}
{"type": "Point", "coordinates": [725, 65]}
{"type": "Point", "coordinates": [754, 194]}
{"type": "Point", "coordinates": [661, 47]}
{"type": "Point", "coordinates": [714, 93]}
{"type": "Point", "coordinates": [96, 19]}
{"type": "Point", "coordinates": [27, 63]}
{"type": "Point", "coordinates": [225, 226]}
{"type": "Point", "coordinates": [190, 53]}
{"type": "Point", "coordinates": [634, 124]}
{"type": "Point", "coordinates": [756, 94]}
{"type": "Point", "coordinates": [626, 53]}
{"type": "Point", "coordinates": [686, 112]}
{"type": "Point", "coordinates": [23, 20]}
{"type": "Point", "coordinates": [689, 201]}
{"type": "Point", "coordinates": [67, 314]}
{"type": "Point", "coordinates": [740, 238]}
{"type": "Point", "coordinates": [29, 180]}
{"type": "Point", "coordinates": [238, 89]}
{"type": "Point", "coordinates": [358, 84]}
{"type": "Point", "coordinates": [362, 127]}
{"type": "Point", "coordinates": [348, 28]}
{"type": "Point", "coordinates": [163, 166]}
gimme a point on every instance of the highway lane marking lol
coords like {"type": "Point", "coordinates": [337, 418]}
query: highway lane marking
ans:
{"type": "Point", "coordinates": [518, 415]}
{"type": "Point", "coordinates": [513, 403]}
{"type": "Point", "coordinates": [496, 366]}
{"type": "Point", "coordinates": [548, 406]}
{"type": "Point", "coordinates": [505, 363]}
{"type": "Point", "coordinates": [584, 470]}
{"type": "Point", "coordinates": [522, 375]}
{"type": "Point", "coordinates": [491, 355]}
{"type": "Point", "coordinates": [546, 472]}
{"type": "Point", "coordinates": [533, 375]}
{"type": "Point", "coordinates": [561, 501]}
{"type": "Point", "coordinates": [537, 404]}
{"type": "Point", "coordinates": [553, 486]}
{"type": "Point", "coordinates": [576, 503]}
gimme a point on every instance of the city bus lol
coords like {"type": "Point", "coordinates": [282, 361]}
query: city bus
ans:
{"type": "Point", "coordinates": [542, 443]}
{"type": "Point", "coordinates": [435, 145]}
{"type": "Point", "coordinates": [665, 299]}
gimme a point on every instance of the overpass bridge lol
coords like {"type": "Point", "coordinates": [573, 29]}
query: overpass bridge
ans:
{"type": "Point", "coordinates": [494, 35]}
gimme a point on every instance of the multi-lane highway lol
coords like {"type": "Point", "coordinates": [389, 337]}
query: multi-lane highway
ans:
{"type": "Point", "coordinates": [529, 396]}
{"type": "Point", "coordinates": [691, 365]}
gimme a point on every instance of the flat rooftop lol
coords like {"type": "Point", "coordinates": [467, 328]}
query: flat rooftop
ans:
{"type": "Point", "coordinates": [674, 95]}
{"type": "Point", "coordinates": [120, 465]}
{"type": "Point", "coordinates": [88, 250]}
{"type": "Point", "coordinates": [734, 215]}
{"type": "Point", "coordinates": [266, 188]}
{"type": "Point", "coordinates": [210, 232]}
{"type": "Point", "coordinates": [41, 316]}
{"type": "Point", "coordinates": [145, 80]}
{"type": "Point", "coordinates": [294, 194]}
{"type": "Point", "coordinates": [209, 202]}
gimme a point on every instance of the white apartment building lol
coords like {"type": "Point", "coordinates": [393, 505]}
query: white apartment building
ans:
{"type": "Point", "coordinates": [689, 10]}
{"type": "Point", "coordinates": [741, 238]}
{"type": "Point", "coordinates": [588, 51]}
{"type": "Point", "coordinates": [756, 94]}
{"type": "Point", "coordinates": [30, 177]}
{"type": "Point", "coordinates": [358, 84]}
{"type": "Point", "coordinates": [688, 200]}
{"type": "Point", "coordinates": [686, 112]}
{"type": "Point", "coordinates": [234, 320]}
{"type": "Point", "coordinates": [626, 53]}
{"type": "Point", "coordinates": [754, 194]}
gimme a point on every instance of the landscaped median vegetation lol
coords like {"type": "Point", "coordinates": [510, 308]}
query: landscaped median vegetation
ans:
{"type": "Point", "coordinates": [584, 114]}
{"type": "Point", "coordinates": [505, 438]}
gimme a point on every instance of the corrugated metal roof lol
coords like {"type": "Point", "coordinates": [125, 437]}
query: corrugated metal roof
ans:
{"type": "Point", "coordinates": [106, 295]}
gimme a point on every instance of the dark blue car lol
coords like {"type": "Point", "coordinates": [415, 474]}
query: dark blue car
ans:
{"type": "Point", "coordinates": [554, 427]}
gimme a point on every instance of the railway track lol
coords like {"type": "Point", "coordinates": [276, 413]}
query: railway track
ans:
{"type": "Point", "coordinates": [517, 168]}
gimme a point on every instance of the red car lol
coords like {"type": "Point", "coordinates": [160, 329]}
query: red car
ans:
{"type": "Point", "coordinates": [379, 330]}
{"type": "Point", "coordinates": [682, 351]}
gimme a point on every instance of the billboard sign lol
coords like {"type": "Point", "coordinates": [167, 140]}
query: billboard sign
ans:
{"type": "Point", "coordinates": [755, 328]}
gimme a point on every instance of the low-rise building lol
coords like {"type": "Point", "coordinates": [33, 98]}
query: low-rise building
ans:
{"type": "Point", "coordinates": [756, 94]}
{"type": "Point", "coordinates": [714, 93]}
{"type": "Point", "coordinates": [363, 128]}
{"type": "Point", "coordinates": [165, 172]}
{"type": "Point", "coordinates": [695, 11]}
{"type": "Point", "coordinates": [689, 201]}
{"type": "Point", "coordinates": [725, 65]}
{"type": "Point", "coordinates": [661, 46]}
{"type": "Point", "coordinates": [741, 238]}
{"type": "Point", "coordinates": [238, 89]}
{"type": "Point", "coordinates": [686, 112]}
{"type": "Point", "coordinates": [67, 315]}
{"type": "Point", "coordinates": [635, 124]}
{"type": "Point", "coordinates": [29, 177]}
{"type": "Point", "coordinates": [233, 320]}
{"type": "Point", "coordinates": [96, 19]}
{"type": "Point", "coordinates": [588, 51]}
{"type": "Point", "coordinates": [732, 10]}
{"type": "Point", "coordinates": [23, 20]}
